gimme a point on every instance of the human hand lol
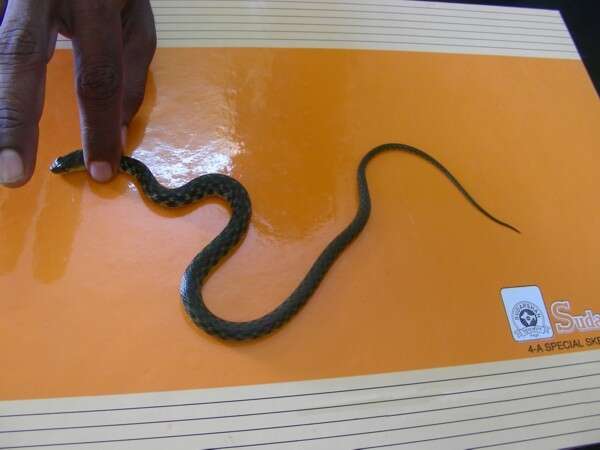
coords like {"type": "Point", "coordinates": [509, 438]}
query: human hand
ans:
{"type": "Point", "coordinates": [113, 43]}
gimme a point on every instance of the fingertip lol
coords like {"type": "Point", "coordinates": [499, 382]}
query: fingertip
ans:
{"type": "Point", "coordinates": [101, 171]}
{"type": "Point", "coordinates": [12, 171]}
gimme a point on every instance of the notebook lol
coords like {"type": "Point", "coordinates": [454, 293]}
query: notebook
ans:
{"type": "Point", "coordinates": [435, 328]}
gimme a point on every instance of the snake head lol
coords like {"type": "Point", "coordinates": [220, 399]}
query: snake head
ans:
{"type": "Point", "coordinates": [69, 163]}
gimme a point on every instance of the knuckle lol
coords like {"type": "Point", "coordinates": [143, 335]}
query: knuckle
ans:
{"type": "Point", "coordinates": [11, 117]}
{"type": "Point", "coordinates": [19, 47]}
{"type": "Point", "coordinates": [99, 82]}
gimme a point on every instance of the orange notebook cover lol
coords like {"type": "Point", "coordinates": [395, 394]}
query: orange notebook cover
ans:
{"type": "Point", "coordinates": [89, 273]}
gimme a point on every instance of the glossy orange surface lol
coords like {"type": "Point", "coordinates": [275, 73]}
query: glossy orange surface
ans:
{"type": "Point", "coordinates": [89, 273]}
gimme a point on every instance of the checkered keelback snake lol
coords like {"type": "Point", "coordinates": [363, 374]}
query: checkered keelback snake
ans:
{"type": "Point", "coordinates": [237, 197]}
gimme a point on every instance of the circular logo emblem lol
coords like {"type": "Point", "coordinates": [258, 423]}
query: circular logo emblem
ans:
{"type": "Point", "coordinates": [528, 319]}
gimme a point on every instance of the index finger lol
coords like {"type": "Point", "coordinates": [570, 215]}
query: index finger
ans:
{"type": "Point", "coordinates": [3, 4]}
{"type": "Point", "coordinates": [26, 43]}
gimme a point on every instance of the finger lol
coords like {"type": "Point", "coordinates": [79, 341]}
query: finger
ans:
{"type": "Point", "coordinates": [139, 46]}
{"type": "Point", "coordinates": [25, 46]}
{"type": "Point", "coordinates": [97, 44]}
{"type": "Point", "coordinates": [3, 5]}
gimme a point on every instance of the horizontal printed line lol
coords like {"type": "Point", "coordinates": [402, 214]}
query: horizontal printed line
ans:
{"type": "Point", "coordinates": [461, 7]}
{"type": "Point", "coordinates": [473, 433]}
{"type": "Point", "coordinates": [337, 391]}
{"type": "Point", "coordinates": [411, 427]}
{"type": "Point", "coordinates": [433, 44]}
{"type": "Point", "coordinates": [267, 8]}
{"type": "Point", "coordinates": [469, 405]}
{"type": "Point", "coordinates": [383, 19]}
{"type": "Point", "coordinates": [370, 46]}
{"type": "Point", "coordinates": [548, 436]}
{"type": "Point", "coordinates": [561, 35]}
{"type": "Point", "coordinates": [399, 429]}
{"type": "Point", "coordinates": [342, 33]}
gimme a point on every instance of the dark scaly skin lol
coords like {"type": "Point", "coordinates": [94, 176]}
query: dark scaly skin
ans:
{"type": "Point", "coordinates": [217, 185]}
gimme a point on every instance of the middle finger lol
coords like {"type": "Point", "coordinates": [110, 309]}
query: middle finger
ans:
{"type": "Point", "coordinates": [98, 49]}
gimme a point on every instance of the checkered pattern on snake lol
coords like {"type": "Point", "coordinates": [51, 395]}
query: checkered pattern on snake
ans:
{"type": "Point", "coordinates": [236, 196]}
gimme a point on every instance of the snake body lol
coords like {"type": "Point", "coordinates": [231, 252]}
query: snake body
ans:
{"type": "Point", "coordinates": [234, 193]}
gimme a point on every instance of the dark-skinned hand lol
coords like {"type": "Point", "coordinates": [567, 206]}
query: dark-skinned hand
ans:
{"type": "Point", "coordinates": [113, 43]}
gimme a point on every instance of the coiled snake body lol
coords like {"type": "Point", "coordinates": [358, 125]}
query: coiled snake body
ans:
{"type": "Point", "coordinates": [236, 196]}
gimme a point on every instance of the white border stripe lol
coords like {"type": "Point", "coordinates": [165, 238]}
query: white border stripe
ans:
{"type": "Point", "coordinates": [362, 24]}
{"type": "Point", "coordinates": [543, 401]}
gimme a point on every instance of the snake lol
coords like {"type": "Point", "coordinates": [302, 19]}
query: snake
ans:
{"type": "Point", "coordinates": [236, 196]}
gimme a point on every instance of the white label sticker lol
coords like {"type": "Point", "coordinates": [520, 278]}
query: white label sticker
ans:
{"type": "Point", "coordinates": [526, 312]}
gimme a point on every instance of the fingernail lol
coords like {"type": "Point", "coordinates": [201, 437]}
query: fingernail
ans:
{"type": "Point", "coordinates": [124, 136]}
{"type": "Point", "coordinates": [100, 171]}
{"type": "Point", "coordinates": [11, 167]}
